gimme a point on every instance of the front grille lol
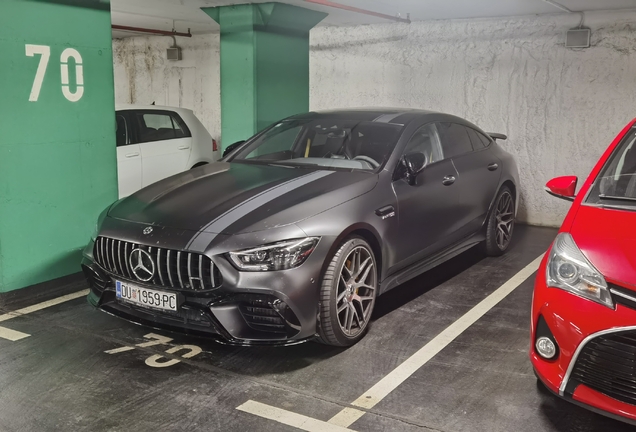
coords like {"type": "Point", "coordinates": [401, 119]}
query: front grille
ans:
{"type": "Point", "coordinates": [623, 296]}
{"type": "Point", "coordinates": [607, 364]}
{"type": "Point", "coordinates": [175, 269]}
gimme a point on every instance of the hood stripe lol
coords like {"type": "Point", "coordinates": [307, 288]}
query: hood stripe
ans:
{"type": "Point", "coordinates": [202, 239]}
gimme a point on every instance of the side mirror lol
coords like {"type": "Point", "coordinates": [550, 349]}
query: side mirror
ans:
{"type": "Point", "coordinates": [562, 187]}
{"type": "Point", "coordinates": [227, 150]}
{"type": "Point", "coordinates": [415, 164]}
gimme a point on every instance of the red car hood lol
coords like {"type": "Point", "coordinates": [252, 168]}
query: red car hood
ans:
{"type": "Point", "coordinates": [607, 238]}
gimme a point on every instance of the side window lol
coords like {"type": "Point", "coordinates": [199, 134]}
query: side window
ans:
{"type": "Point", "coordinates": [121, 133]}
{"type": "Point", "coordinates": [426, 140]}
{"type": "Point", "coordinates": [475, 138]}
{"type": "Point", "coordinates": [484, 139]}
{"type": "Point", "coordinates": [159, 126]}
{"type": "Point", "coordinates": [455, 140]}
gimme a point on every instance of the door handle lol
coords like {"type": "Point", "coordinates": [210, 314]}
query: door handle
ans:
{"type": "Point", "coordinates": [385, 212]}
{"type": "Point", "coordinates": [448, 180]}
{"type": "Point", "coordinates": [184, 147]}
{"type": "Point", "coordinates": [493, 167]}
{"type": "Point", "coordinates": [132, 155]}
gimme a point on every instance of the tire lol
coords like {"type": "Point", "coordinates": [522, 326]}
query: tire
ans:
{"type": "Point", "coordinates": [501, 223]}
{"type": "Point", "coordinates": [354, 294]}
{"type": "Point", "coordinates": [200, 164]}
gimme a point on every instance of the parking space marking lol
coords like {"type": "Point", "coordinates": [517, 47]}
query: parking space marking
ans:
{"type": "Point", "coordinates": [347, 417]}
{"type": "Point", "coordinates": [119, 350]}
{"type": "Point", "coordinates": [43, 305]}
{"type": "Point", "coordinates": [289, 418]}
{"type": "Point", "coordinates": [12, 335]}
{"type": "Point", "coordinates": [407, 368]}
{"type": "Point", "coordinates": [158, 360]}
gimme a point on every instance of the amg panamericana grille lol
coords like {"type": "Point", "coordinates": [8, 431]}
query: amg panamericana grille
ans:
{"type": "Point", "coordinates": [173, 268]}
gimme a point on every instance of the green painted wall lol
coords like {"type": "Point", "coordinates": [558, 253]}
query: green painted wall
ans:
{"type": "Point", "coordinates": [264, 65]}
{"type": "Point", "coordinates": [57, 154]}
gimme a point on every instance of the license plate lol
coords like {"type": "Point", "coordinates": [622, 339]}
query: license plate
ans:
{"type": "Point", "coordinates": [146, 297]}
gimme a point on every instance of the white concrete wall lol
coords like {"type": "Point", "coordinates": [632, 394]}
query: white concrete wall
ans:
{"type": "Point", "coordinates": [560, 107]}
{"type": "Point", "coordinates": [143, 75]}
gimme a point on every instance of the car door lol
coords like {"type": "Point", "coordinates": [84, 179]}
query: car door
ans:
{"type": "Point", "coordinates": [427, 209]}
{"type": "Point", "coordinates": [128, 158]}
{"type": "Point", "coordinates": [479, 173]}
{"type": "Point", "coordinates": [165, 143]}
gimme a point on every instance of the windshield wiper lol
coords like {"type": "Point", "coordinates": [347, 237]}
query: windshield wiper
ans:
{"type": "Point", "coordinates": [618, 198]}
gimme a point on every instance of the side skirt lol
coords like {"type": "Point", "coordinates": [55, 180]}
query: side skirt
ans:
{"type": "Point", "coordinates": [429, 263]}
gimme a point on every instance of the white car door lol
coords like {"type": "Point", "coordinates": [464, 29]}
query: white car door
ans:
{"type": "Point", "coordinates": [165, 144]}
{"type": "Point", "coordinates": [128, 159]}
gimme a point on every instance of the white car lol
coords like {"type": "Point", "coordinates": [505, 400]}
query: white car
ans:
{"type": "Point", "coordinates": [155, 142]}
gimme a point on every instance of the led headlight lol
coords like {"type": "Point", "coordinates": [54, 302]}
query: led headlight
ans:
{"type": "Point", "coordinates": [276, 256]}
{"type": "Point", "coordinates": [568, 269]}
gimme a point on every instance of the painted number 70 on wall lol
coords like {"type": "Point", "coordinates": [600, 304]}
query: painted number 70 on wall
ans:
{"type": "Point", "coordinates": [45, 54]}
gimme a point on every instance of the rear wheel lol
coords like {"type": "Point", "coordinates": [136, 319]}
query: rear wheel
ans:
{"type": "Point", "coordinates": [348, 292]}
{"type": "Point", "coordinates": [501, 223]}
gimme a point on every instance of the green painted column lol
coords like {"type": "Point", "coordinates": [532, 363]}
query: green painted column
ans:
{"type": "Point", "coordinates": [57, 143]}
{"type": "Point", "coordinates": [264, 65]}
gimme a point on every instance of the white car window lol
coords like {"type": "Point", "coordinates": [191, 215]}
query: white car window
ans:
{"type": "Point", "coordinates": [159, 126]}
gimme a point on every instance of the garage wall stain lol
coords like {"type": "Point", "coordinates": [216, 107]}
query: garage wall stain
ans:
{"type": "Point", "coordinates": [560, 107]}
{"type": "Point", "coordinates": [143, 75]}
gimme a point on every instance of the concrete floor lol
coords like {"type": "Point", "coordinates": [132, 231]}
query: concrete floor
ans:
{"type": "Point", "coordinates": [61, 377]}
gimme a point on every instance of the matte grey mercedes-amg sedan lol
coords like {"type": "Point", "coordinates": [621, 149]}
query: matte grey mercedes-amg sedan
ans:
{"type": "Point", "coordinates": [297, 232]}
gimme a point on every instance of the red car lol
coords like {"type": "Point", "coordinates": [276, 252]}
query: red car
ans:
{"type": "Point", "coordinates": [584, 305]}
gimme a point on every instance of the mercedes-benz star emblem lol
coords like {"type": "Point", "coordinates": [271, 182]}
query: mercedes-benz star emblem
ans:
{"type": "Point", "coordinates": [142, 265]}
{"type": "Point", "coordinates": [147, 230]}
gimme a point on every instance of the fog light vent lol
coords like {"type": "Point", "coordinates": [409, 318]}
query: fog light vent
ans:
{"type": "Point", "coordinates": [545, 347]}
{"type": "Point", "coordinates": [545, 343]}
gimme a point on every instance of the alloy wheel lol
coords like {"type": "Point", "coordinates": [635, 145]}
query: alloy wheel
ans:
{"type": "Point", "coordinates": [356, 291]}
{"type": "Point", "coordinates": [505, 215]}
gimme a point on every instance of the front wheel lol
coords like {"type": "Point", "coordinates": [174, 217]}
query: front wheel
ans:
{"type": "Point", "coordinates": [348, 292]}
{"type": "Point", "coordinates": [501, 223]}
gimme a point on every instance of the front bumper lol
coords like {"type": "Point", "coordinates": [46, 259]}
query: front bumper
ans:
{"type": "Point", "coordinates": [582, 371]}
{"type": "Point", "coordinates": [248, 308]}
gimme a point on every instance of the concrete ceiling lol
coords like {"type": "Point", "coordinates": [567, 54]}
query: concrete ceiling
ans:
{"type": "Point", "coordinates": [184, 14]}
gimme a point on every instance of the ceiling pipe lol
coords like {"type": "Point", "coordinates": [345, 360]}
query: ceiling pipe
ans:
{"type": "Point", "coordinates": [153, 31]}
{"type": "Point", "coordinates": [358, 10]}
{"type": "Point", "coordinates": [566, 9]}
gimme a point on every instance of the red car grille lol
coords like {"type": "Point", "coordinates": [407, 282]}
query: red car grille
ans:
{"type": "Point", "coordinates": [172, 268]}
{"type": "Point", "coordinates": [607, 364]}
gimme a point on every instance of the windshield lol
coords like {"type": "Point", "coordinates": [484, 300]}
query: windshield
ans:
{"type": "Point", "coordinates": [331, 144]}
{"type": "Point", "coordinates": [616, 184]}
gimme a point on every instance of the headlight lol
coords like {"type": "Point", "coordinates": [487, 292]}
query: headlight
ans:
{"type": "Point", "coordinates": [276, 256]}
{"type": "Point", "coordinates": [568, 269]}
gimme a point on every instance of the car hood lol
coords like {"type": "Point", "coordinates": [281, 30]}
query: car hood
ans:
{"type": "Point", "coordinates": [232, 198]}
{"type": "Point", "coordinates": [606, 237]}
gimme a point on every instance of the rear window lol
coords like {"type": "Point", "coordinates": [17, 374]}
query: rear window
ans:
{"type": "Point", "coordinates": [616, 183]}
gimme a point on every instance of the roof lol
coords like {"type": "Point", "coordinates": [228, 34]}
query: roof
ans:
{"type": "Point", "coordinates": [122, 107]}
{"type": "Point", "coordinates": [401, 116]}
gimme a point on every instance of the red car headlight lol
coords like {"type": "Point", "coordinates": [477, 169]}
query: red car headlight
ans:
{"type": "Point", "coordinates": [570, 270]}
